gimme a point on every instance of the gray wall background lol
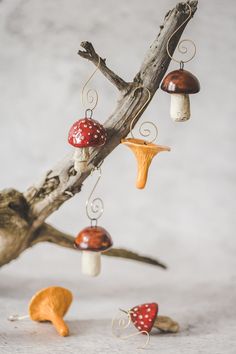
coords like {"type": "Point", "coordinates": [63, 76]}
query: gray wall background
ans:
{"type": "Point", "coordinates": [188, 207]}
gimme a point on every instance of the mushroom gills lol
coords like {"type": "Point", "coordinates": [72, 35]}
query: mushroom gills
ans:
{"type": "Point", "coordinates": [81, 156]}
{"type": "Point", "coordinates": [91, 263]}
{"type": "Point", "coordinates": [144, 153]}
{"type": "Point", "coordinates": [180, 107]}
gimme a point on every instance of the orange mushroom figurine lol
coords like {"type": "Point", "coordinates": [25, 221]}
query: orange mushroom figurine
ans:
{"type": "Point", "coordinates": [51, 304]}
{"type": "Point", "coordinates": [144, 152]}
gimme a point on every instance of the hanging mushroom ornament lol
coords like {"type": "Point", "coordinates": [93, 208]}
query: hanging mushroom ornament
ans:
{"type": "Point", "coordinates": [181, 83]}
{"type": "Point", "coordinates": [93, 240]}
{"type": "Point", "coordinates": [86, 133]}
{"type": "Point", "coordinates": [143, 150]}
{"type": "Point", "coordinates": [50, 304]}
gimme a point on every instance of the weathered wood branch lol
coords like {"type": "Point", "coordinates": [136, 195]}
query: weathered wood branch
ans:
{"type": "Point", "coordinates": [29, 210]}
{"type": "Point", "coordinates": [90, 54]}
{"type": "Point", "coordinates": [61, 183]}
{"type": "Point", "coordinates": [15, 235]}
{"type": "Point", "coordinates": [47, 233]}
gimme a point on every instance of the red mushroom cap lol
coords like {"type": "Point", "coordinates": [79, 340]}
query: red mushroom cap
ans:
{"type": "Point", "coordinates": [87, 132]}
{"type": "Point", "coordinates": [93, 238]}
{"type": "Point", "coordinates": [180, 81]}
{"type": "Point", "coordinates": [143, 316]}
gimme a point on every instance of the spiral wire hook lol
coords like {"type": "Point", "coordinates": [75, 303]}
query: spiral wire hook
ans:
{"type": "Point", "coordinates": [95, 206]}
{"type": "Point", "coordinates": [89, 98]}
{"type": "Point", "coordinates": [144, 131]}
{"type": "Point", "coordinates": [124, 323]}
{"type": "Point", "coordinates": [182, 49]}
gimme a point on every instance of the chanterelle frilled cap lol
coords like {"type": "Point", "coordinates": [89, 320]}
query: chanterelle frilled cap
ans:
{"type": "Point", "coordinates": [55, 297]}
{"type": "Point", "coordinates": [180, 81]}
{"type": "Point", "coordinates": [87, 132]}
{"type": "Point", "coordinates": [93, 238]}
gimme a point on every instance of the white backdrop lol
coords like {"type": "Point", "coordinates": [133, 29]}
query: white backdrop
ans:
{"type": "Point", "coordinates": [186, 214]}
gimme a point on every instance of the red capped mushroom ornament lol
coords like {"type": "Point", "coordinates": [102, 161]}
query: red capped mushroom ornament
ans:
{"type": "Point", "coordinates": [84, 134]}
{"type": "Point", "coordinates": [93, 240]}
{"type": "Point", "coordinates": [181, 83]}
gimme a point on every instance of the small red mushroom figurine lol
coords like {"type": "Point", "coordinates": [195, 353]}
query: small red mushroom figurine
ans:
{"type": "Point", "coordinates": [92, 241]}
{"type": "Point", "coordinates": [144, 318]}
{"type": "Point", "coordinates": [83, 134]}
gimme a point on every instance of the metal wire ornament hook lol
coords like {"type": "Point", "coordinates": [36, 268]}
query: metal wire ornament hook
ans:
{"type": "Point", "coordinates": [146, 128]}
{"type": "Point", "coordinates": [17, 317]}
{"type": "Point", "coordinates": [124, 323]}
{"type": "Point", "coordinates": [95, 206]}
{"type": "Point", "coordinates": [182, 48]}
{"type": "Point", "coordinates": [89, 98]}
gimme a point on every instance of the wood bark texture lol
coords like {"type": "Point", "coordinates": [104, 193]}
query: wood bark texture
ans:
{"type": "Point", "coordinates": [23, 215]}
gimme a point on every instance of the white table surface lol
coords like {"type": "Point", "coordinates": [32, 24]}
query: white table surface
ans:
{"type": "Point", "coordinates": [201, 297]}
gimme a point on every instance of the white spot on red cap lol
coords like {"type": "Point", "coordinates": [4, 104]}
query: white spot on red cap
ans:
{"type": "Point", "coordinates": [140, 316]}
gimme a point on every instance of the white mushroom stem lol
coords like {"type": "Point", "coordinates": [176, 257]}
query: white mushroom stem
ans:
{"type": "Point", "coordinates": [91, 263]}
{"type": "Point", "coordinates": [81, 156]}
{"type": "Point", "coordinates": [179, 107]}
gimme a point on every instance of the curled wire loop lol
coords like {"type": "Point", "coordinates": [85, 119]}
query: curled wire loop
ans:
{"type": "Point", "coordinates": [95, 206]}
{"type": "Point", "coordinates": [146, 129]}
{"type": "Point", "coordinates": [182, 48]}
{"type": "Point", "coordinates": [124, 323]}
{"type": "Point", "coordinates": [17, 317]}
{"type": "Point", "coordinates": [89, 97]}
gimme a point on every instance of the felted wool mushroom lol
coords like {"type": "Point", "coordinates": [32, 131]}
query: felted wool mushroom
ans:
{"type": "Point", "coordinates": [180, 83]}
{"type": "Point", "coordinates": [144, 153]}
{"type": "Point", "coordinates": [92, 241]}
{"type": "Point", "coordinates": [51, 304]}
{"type": "Point", "coordinates": [83, 134]}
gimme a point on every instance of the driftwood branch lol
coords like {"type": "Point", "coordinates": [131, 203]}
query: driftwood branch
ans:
{"type": "Point", "coordinates": [29, 210]}
{"type": "Point", "coordinates": [90, 54]}
{"type": "Point", "coordinates": [47, 233]}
